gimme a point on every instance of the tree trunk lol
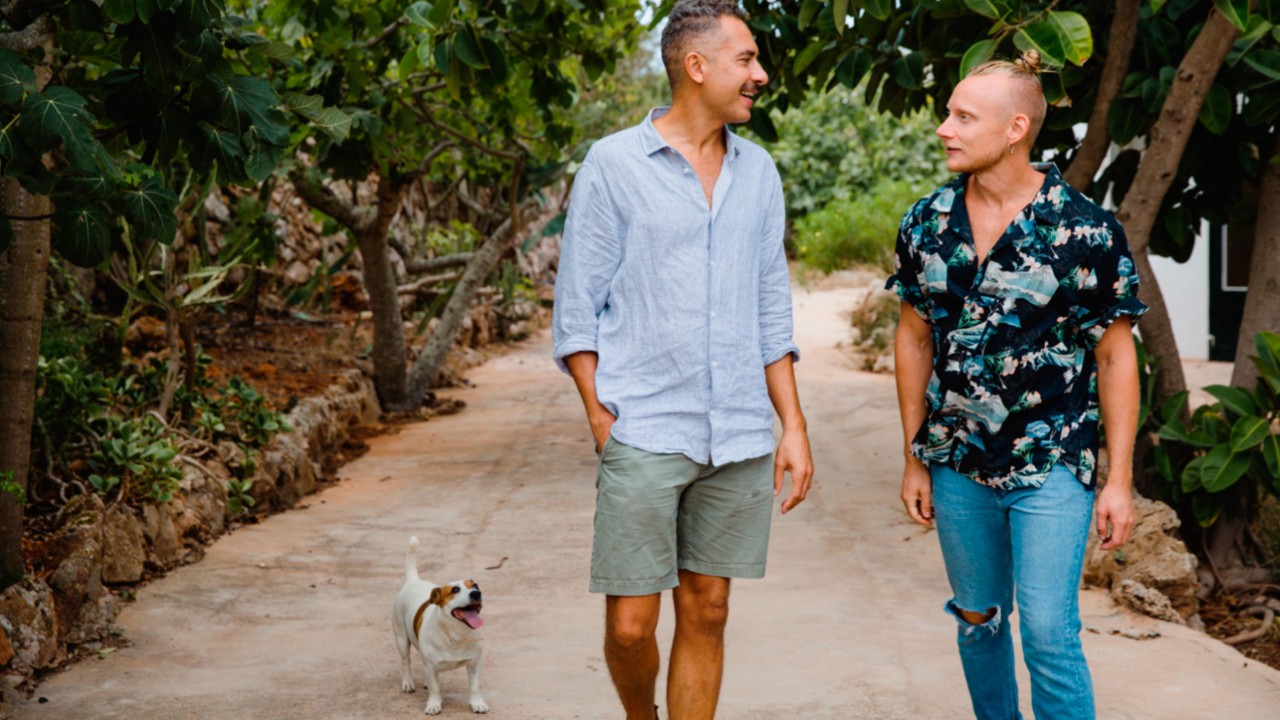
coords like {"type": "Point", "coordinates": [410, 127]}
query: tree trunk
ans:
{"type": "Point", "coordinates": [389, 349]}
{"type": "Point", "coordinates": [1155, 174]}
{"type": "Point", "coordinates": [1262, 303]}
{"type": "Point", "coordinates": [441, 340]}
{"type": "Point", "coordinates": [23, 274]}
{"type": "Point", "coordinates": [1097, 140]}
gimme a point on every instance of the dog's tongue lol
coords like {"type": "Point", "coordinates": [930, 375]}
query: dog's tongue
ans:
{"type": "Point", "coordinates": [471, 618]}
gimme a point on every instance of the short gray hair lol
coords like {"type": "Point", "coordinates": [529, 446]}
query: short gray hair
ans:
{"type": "Point", "coordinates": [690, 19]}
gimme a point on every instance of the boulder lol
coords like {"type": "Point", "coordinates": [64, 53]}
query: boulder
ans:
{"type": "Point", "coordinates": [124, 548]}
{"type": "Point", "coordinates": [30, 625]}
{"type": "Point", "coordinates": [6, 649]}
{"type": "Point", "coordinates": [164, 548]}
{"type": "Point", "coordinates": [75, 552]}
{"type": "Point", "coordinates": [1154, 560]}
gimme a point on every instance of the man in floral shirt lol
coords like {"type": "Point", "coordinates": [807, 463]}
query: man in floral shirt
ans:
{"type": "Point", "coordinates": [1018, 295]}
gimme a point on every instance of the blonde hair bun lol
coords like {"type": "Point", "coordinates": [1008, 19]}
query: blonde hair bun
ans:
{"type": "Point", "coordinates": [1030, 62]}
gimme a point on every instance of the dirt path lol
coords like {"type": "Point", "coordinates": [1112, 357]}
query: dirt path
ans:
{"type": "Point", "coordinates": [289, 619]}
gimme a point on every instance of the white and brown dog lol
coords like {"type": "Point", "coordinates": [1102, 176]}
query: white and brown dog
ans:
{"type": "Point", "coordinates": [443, 623]}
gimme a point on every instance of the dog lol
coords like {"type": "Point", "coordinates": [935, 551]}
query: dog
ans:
{"type": "Point", "coordinates": [443, 623]}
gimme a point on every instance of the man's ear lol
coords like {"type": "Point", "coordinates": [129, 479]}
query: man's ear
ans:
{"type": "Point", "coordinates": [695, 67]}
{"type": "Point", "coordinates": [1019, 126]}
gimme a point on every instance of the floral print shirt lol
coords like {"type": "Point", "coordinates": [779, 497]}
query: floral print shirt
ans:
{"type": "Point", "coordinates": [1014, 388]}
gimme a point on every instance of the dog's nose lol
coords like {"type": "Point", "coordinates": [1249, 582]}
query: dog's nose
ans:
{"type": "Point", "coordinates": [475, 595]}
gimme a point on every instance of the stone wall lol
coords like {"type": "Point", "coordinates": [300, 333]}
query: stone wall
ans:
{"type": "Point", "coordinates": [99, 551]}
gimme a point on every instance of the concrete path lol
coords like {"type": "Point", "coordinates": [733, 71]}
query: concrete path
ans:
{"type": "Point", "coordinates": [289, 619]}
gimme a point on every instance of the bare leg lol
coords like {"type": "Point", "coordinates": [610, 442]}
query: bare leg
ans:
{"type": "Point", "coordinates": [697, 655]}
{"type": "Point", "coordinates": [631, 651]}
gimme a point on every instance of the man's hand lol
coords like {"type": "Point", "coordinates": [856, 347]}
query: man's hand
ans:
{"type": "Point", "coordinates": [917, 492]}
{"type": "Point", "coordinates": [795, 457]}
{"type": "Point", "coordinates": [601, 424]}
{"type": "Point", "coordinates": [1114, 515]}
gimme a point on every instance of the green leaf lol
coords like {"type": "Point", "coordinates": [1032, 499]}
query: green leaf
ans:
{"type": "Point", "coordinates": [466, 46]}
{"type": "Point", "coordinates": [410, 62]}
{"type": "Point", "coordinates": [56, 114]}
{"type": "Point", "coordinates": [1173, 406]}
{"type": "Point", "coordinates": [1271, 453]}
{"type": "Point", "coordinates": [854, 67]}
{"type": "Point", "coordinates": [879, 9]}
{"type": "Point", "coordinates": [1190, 478]}
{"type": "Point", "coordinates": [1266, 62]}
{"type": "Point", "coordinates": [1262, 106]}
{"type": "Point", "coordinates": [1164, 463]}
{"type": "Point", "coordinates": [499, 69]}
{"type": "Point", "coordinates": [1207, 508]}
{"type": "Point", "coordinates": [1235, 399]}
{"type": "Point", "coordinates": [1061, 38]}
{"type": "Point", "coordinates": [977, 54]}
{"type": "Point", "coordinates": [1222, 468]}
{"type": "Point", "coordinates": [1156, 5]}
{"type": "Point", "coordinates": [83, 234]}
{"type": "Point", "coordinates": [333, 122]}
{"type": "Point", "coordinates": [1215, 113]}
{"type": "Point", "coordinates": [1249, 431]}
{"type": "Point", "coordinates": [806, 56]}
{"type": "Point", "coordinates": [1126, 118]}
{"type": "Point", "coordinates": [808, 9]}
{"type": "Point", "coordinates": [222, 147]}
{"type": "Point", "coordinates": [16, 78]}
{"type": "Point", "coordinates": [417, 14]}
{"type": "Point", "coordinates": [994, 9]}
{"type": "Point", "coordinates": [440, 12]}
{"type": "Point", "coordinates": [840, 13]}
{"type": "Point", "coordinates": [152, 210]}
{"type": "Point", "coordinates": [1237, 11]}
{"type": "Point", "coordinates": [119, 11]}
{"type": "Point", "coordinates": [908, 72]}
{"type": "Point", "coordinates": [248, 102]}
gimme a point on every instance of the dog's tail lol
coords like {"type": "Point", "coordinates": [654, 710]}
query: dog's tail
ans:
{"type": "Point", "coordinates": [411, 560]}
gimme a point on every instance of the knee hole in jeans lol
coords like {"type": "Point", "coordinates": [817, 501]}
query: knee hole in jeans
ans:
{"type": "Point", "coordinates": [972, 619]}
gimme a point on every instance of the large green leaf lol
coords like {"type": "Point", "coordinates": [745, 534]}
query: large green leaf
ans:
{"type": "Point", "coordinates": [82, 234]}
{"type": "Point", "coordinates": [808, 9]}
{"type": "Point", "coordinates": [440, 12]}
{"type": "Point", "coordinates": [853, 68]}
{"type": "Point", "coordinates": [1207, 508]}
{"type": "Point", "coordinates": [329, 120]}
{"type": "Point", "coordinates": [1189, 480]}
{"type": "Point", "coordinates": [1164, 463]}
{"type": "Point", "coordinates": [879, 9]}
{"type": "Point", "coordinates": [1126, 118]}
{"type": "Point", "coordinates": [1215, 113]}
{"type": "Point", "coordinates": [1249, 431]}
{"type": "Point", "coordinates": [1061, 38]}
{"type": "Point", "coordinates": [417, 14]}
{"type": "Point", "coordinates": [977, 54]}
{"type": "Point", "coordinates": [806, 56]}
{"type": "Point", "coordinates": [151, 209]}
{"type": "Point", "coordinates": [15, 77]}
{"type": "Point", "coordinates": [1234, 399]}
{"type": "Point", "coordinates": [59, 114]}
{"type": "Point", "coordinates": [1222, 468]}
{"type": "Point", "coordinates": [120, 11]}
{"type": "Point", "coordinates": [840, 15]}
{"type": "Point", "coordinates": [499, 69]}
{"type": "Point", "coordinates": [1262, 106]}
{"type": "Point", "coordinates": [223, 148]}
{"type": "Point", "coordinates": [249, 102]}
{"type": "Point", "coordinates": [466, 46]}
{"type": "Point", "coordinates": [994, 9]}
{"type": "Point", "coordinates": [1266, 62]}
{"type": "Point", "coordinates": [1172, 407]}
{"type": "Point", "coordinates": [908, 71]}
{"type": "Point", "coordinates": [1237, 11]}
{"type": "Point", "coordinates": [1271, 453]}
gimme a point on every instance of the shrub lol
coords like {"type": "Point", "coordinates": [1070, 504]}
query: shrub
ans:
{"type": "Point", "coordinates": [859, 229]}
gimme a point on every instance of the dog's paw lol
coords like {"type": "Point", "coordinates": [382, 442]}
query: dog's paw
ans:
{"type": "Point", "coordinates": [479, 706]}
{"type": "Point", "coordinates": [433, 707]}
{"type": "Point", "coordinates": [407, 686]}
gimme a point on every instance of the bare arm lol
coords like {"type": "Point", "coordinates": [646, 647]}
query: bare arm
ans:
{"type": "Point", "coordinates": [1119, 398]}
{"type": "Point", "coordinates": [913, 365]}
{"type": "Point", "coordinates": [794, 454]}
{"type": "Point", "coordinates": [582, 366]}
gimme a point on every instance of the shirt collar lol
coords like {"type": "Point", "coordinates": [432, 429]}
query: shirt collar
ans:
{"type": "Point", "coordinates": [1046, 208]}
{"type": "Point", "coordinates": [652, 141]}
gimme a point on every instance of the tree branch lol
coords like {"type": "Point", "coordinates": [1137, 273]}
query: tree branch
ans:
{"type": "Point", "coordinates": [482, 147]}
{"type": "Point", "coordinates": [323, 198]}
{"type": "Point", "coordinates": [416, 265]}
{"type": "Point", "coordinates": [36, 33]}
{"type": "Point", "coordinates": [387, 32]}
{"type": "Point", "coordinates": [1097, 140]}
{"type": "Point", "coordinates": [423, 285]}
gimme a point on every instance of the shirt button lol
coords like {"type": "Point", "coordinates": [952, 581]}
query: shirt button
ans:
{"type": "Point", "coordinates": [713, 313]}
{"type": "Point", "coordinates": [685, 171]}
{"type": "Point", "coordinates": [713, 412]}
{"type": "Point", "coordinates": [715, 364]}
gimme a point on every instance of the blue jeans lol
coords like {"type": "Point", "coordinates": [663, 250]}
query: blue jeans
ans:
{"type": "Point", "coordinates": [1028, 539]}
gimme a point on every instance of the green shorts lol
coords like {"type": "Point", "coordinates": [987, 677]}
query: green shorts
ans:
{"type": "Point", "coordinates": [657, 514]}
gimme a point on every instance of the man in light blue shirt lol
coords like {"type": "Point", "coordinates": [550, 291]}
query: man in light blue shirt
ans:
{"type": "Point", "coordinates": [673, 315]}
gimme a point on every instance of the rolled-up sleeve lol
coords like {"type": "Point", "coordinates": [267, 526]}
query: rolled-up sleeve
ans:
{"type": "Point", "coordinates": [589, 255]}
{"type": "Point", "coordinates": [1115, 293]}
{"type": "Point", "coordinates": [775, 283]}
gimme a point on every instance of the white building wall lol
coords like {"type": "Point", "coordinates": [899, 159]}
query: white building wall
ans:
{"type": "Point", "coordinates": [1186, 292]}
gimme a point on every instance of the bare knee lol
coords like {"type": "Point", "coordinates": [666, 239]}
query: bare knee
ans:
{"type": "Point", "coordinates": [703, 604]}
{"type": "Point", "coordinates": [631, 622]}
{"type": "Point", "coordinates": [976, 618]}
{"type": "Point", "coordinates": [972, 620]}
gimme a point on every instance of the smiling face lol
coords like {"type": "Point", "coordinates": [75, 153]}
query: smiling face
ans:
{"type": "Point", "coordinates": [461, 601]}
{"type": "Point", "coordinates": [723, 71]}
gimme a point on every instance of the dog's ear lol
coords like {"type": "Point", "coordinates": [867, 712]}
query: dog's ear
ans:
{"type": "Point", "coordinates": [437, 597]}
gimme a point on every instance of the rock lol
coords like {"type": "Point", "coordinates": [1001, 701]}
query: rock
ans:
{"type": "Point", "coordinates": [1146, 600]}
{"type": "Point", "coordinates": [297, 273]}
{"type": "Point", "coordinates": [75, 552]}
{"type": "Point", "coordinates": [146, 334]}
{"type": "Point", "coordinates": [163, 544]}
{"type": "Point", "coordinates": [124, 551]}
{"type": "Point", "coordinates": [1154, 559]}
{"type": "Point", "coordinates": [28, 620]}
{"type": "Point", "coordinates": [6, 650]}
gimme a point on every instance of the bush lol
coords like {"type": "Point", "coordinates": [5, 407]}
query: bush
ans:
{"type": "Point", "coordinates": [859, 229]}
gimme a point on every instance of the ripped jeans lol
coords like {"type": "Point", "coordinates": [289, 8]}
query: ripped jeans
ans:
{"type": "Point", "coordinates": [1031, 540]}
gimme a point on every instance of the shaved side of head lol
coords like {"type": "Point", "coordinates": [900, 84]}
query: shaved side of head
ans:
{"type": "Point", "coordinates": [1023, 94]}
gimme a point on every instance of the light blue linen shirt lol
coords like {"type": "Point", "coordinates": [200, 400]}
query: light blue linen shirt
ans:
{"type": "Point", "coordinates": [684, 304]}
